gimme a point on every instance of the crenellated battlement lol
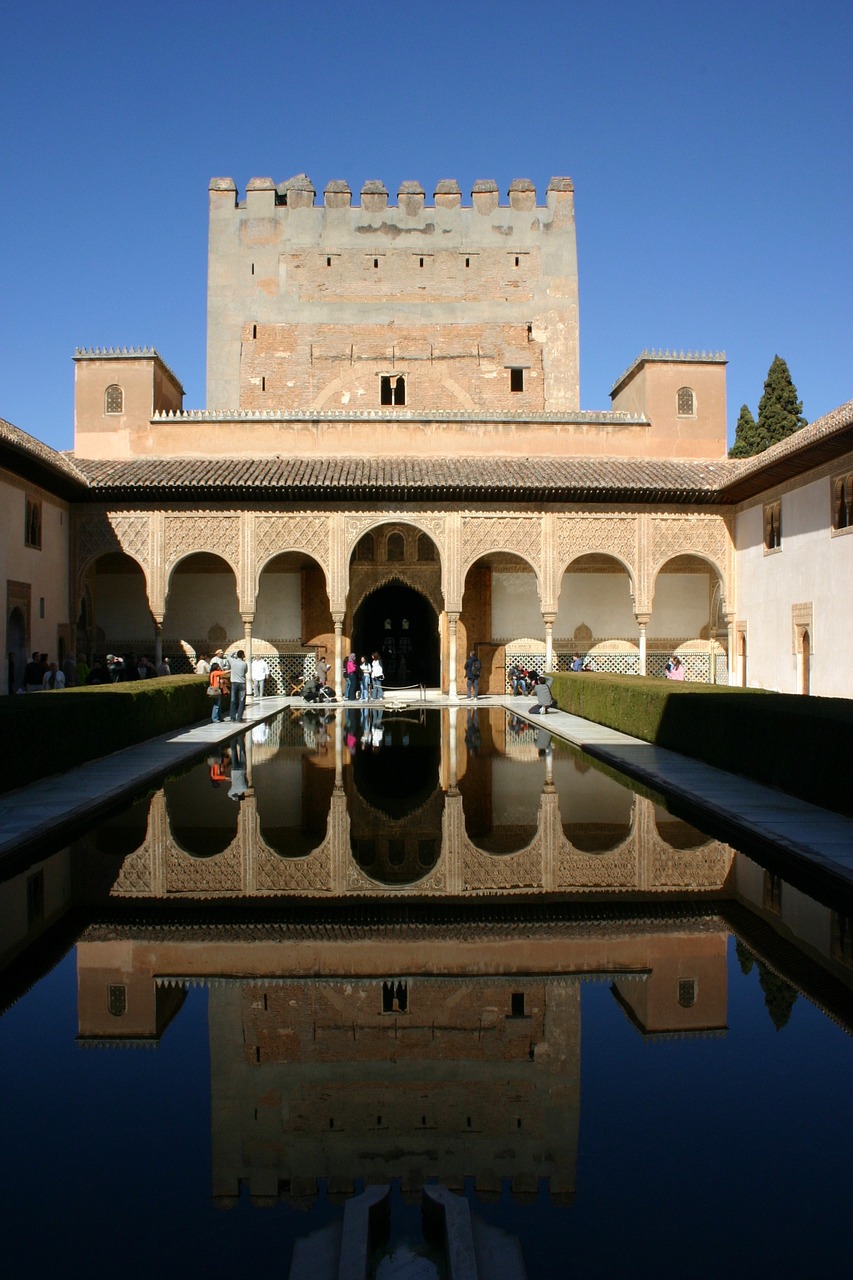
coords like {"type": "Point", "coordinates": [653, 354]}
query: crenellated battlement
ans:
{"type": "Point", "coordinates": [299, 192]}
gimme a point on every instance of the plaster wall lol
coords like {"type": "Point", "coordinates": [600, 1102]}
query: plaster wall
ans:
{"type": "Point", "coordinates": [148, 387]}
{"type": "Point", "coordinates": [601, 601]}
{"type": "Point", "coordinates": [196, 602]}
{"type": "Point", "coordinates": [680, 606]}
{"type": "Point", "coordinates": [652, 387]}
{"type": "Point", "coordinates": [43, 570]}
{"type": "Point", "coordinates": [515, 606]}
{"type": "Point", "coordinates": [121, 606]}
{"type": "Point", "coordinates": [813, 566]}
{"type": "Point", "coordinates": [278, 613]}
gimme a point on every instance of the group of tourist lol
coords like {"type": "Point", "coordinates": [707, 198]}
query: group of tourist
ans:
{"type": "Point", "coordinates": [364, 678]}
{"type": "Point", "coordinates": [41, 674]}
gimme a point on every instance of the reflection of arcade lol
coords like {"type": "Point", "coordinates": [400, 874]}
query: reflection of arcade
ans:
{"type": "Point", "coordinates": [473, 1070]}
{"type": "Point", "coordinates": [395, 798]}
{"type": "Point", "coordinates": [378, 805]}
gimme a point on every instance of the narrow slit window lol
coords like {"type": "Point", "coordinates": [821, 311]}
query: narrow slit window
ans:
{"type": "Point", "coordinates": [517, 1004]}
{"type": "Point", "coordinates": [254, 331]}
{"type": "Point", "coordinates": [263, 384]}
{"type": "Point", "coordinates": [516, 379]}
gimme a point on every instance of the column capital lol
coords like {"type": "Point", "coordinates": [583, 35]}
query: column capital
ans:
{"type": "Point", "coordinates": [247, 617]}
{"type": "Point", "coordinates": [642, 619]}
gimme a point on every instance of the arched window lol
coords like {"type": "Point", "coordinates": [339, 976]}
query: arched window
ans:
{"type": "Point", "coordinates": [114, 399]}
{"type": "Point", "coordinates": [686, 403]}
{"type": "Point", "coordinates": [364, 550]}
{"type": "Point", "coordinates": [396, 549]}
{"type": "Point", "coordinates": [842, 506]}
{"type": "Point", "coordinates": [773, 526]}
{"type": "Point", "coordinates": [426, 547]}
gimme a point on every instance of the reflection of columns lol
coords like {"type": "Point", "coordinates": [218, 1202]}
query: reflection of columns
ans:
{"type": "Point", "coordinates": [642, 623]}
{"type": "Point", "coordinates": [339, 748]}
{"type": "Point", "coordinates": [731, 647]}
{"type": "Point", "coordinates": [454, 776]}
{"type": "Point", "coordinates": [158, 639]}
{"type": "Point", "coordinates": [248, 619]}
{"type": "Point", "coordinates": [338, 619]}
{"type": "Point", "coordinates": [549, 640]}
{"type": "Point", "coordinates": [452, 622]}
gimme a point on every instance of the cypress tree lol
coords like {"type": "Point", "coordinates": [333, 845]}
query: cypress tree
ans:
{"type": "Point", "coordinates": [780, 413]}
{"type": "Point", "coordinates": [747, 440]}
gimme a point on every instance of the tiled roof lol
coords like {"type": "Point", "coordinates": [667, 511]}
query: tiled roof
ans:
{"type": "Point", "coordinates": [820, 442]}
{"type": "Point", "coordinates": [361, 479]}
{"type": "Point", "coordinates": [38, 462]}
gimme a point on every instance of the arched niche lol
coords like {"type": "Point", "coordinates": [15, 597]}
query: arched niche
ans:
{"type": "Point", "coordinates": [202, 609]}
{"type": "Point", "coordinates": [114, 591]}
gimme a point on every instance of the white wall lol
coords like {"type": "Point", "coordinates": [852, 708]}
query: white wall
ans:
{"type": "Point", "coordinates": [600, 600]}
{"type": "Point", "coordinates": [198, 601]}
{"type": "Point", "coordinates": [278, 614]}
{"type": "Point", "coordinates": [680, 606]}
{"type": "Point", "coordinates": [811, 567]}
{"type": "Point", "coordinates": [516, 610]}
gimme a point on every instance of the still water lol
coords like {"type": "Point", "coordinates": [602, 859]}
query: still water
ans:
{"type": "Point", "coordinates": [419, 947]}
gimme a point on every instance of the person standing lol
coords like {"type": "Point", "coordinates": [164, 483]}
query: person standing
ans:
{"type": "Point", "coordinates": [218, 666]}
{"type": "Point", "coordinates": [377, 676]}
{"type": "Point", "coordinates": [260, 671]}
{"type": "Point", "coordinates": [473, 668]}
{"type": "Point", "coordinates": [351, 671]}
{"type": "Point", "coordinates": [239, 671]}
{"type": "Point", "coordinates": [364, 668]}
{"type": "Point", "coordinates": [163, 668]}
{"type": "Point", "coordinates": [202, 667]}
{"type": "Point", "coordinates": [53, 678]}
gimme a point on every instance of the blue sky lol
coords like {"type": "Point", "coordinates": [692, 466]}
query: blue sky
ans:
{"type": "Point", "coordinates": [710, 147]}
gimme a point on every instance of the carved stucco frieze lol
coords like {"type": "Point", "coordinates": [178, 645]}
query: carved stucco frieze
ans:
{"type": "Point", "coordinates": [99, 533]}
{"type": "Point", "coordinates": [211, 531]}
{"type": "Point", "coordinates": [706, 536]}
{"type": "Point", "coordinates": [276, 534]}
{"type": "Point", "coordinates": [613, 534]}
{"type": "Point", "coordinates": [482, 535]}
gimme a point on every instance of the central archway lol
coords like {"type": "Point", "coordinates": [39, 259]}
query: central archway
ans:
{"type": "Point", "coordinates": [399, 623]}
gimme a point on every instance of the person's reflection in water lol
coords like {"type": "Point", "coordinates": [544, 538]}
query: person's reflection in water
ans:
{"type": "Point", "coordinates": [473, 740]}
{"type": "Point", "coordinates": [543, 743]}
{"type": "Point", "coordinates": [376, 728]}
{"type": "Point", "coordinates": [351, 729]}
{"type": "Point", "coordinates": [239, 785]}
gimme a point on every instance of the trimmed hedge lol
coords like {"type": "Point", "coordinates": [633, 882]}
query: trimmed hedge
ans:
{"type": "Point", "coordinates": [784, 740]}
{"type": "Point", "coordinates": [53, 732]}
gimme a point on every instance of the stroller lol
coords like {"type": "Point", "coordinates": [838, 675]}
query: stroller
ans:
{"type": "Point", "coordinates": [313, 692]}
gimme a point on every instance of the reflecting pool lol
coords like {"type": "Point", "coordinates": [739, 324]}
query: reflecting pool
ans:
{"type": "Point", "coordinates": [360, 948]}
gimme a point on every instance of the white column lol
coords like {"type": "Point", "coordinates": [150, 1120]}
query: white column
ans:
{"type": "Point", "coordinates": [452, 620]}
{"type": "Point", "coordinates": [248, 619]}
{"type": "Point", "coordinates": [339, 665]}
{"type": "Point", "coordinates": [549, 641]}
{"type": "Point", "coordinates": [642, 623]}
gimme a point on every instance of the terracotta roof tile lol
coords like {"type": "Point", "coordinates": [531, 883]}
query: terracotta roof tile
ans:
{"type": "Point", "coordinates": [298, 479]}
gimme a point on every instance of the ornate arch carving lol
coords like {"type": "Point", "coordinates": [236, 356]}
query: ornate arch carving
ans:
{"type": "Point", "coordinates": [519, 535]}
{"type": "Point", "coordinates": [217, 533]}
{"type": "Point", "coordinates": [105, 532]}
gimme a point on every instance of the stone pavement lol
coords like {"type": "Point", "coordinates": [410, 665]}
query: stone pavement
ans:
{"type": "Point", "coordinates": [755, 818]}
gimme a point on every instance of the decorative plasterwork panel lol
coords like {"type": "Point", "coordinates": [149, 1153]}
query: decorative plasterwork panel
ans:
{"type": "Point", "coordinates": [483, 535]}
{"type": "Point", "coordinates": [100, 533]}
{"type": "Point", "coordinates": [356, 524]}
{"type": "Point", "coordinates": [614, 535]}
{"type": "Point", "coordinates": [705, 536]}
{"type": "Point", "coordinates": [210, 531]}
{"type": "Point", "coordinates": [312, 874]}
{"type": "Point", "coordinates": [276, 534]}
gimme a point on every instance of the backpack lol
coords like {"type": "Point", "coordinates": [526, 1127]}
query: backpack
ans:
{"type": "Point", "coordinates": [476, 668]}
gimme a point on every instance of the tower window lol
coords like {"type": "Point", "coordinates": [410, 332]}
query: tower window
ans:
{"type": "Point", "coordinates": [686, 403]}
{"type": "Point", "coordinates": [517, 1004]}
{"type": "Point", "coordinates": [392, 389]}
{"type": "Point", "coordinates": [516, 379]}
{"type": "Point", "coordinates": [114, 399]}
{"type": "Point", "coordinates": [254, 331]}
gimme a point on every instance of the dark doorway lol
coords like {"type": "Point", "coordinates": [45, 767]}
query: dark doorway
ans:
{"type": "Point", "coordinates": [401, 625]}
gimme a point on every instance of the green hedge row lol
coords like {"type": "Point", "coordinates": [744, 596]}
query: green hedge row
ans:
{"type": "Point", "coordinates": [53, 732]}
{"type": "Point", "coordinates": [795, 743]}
